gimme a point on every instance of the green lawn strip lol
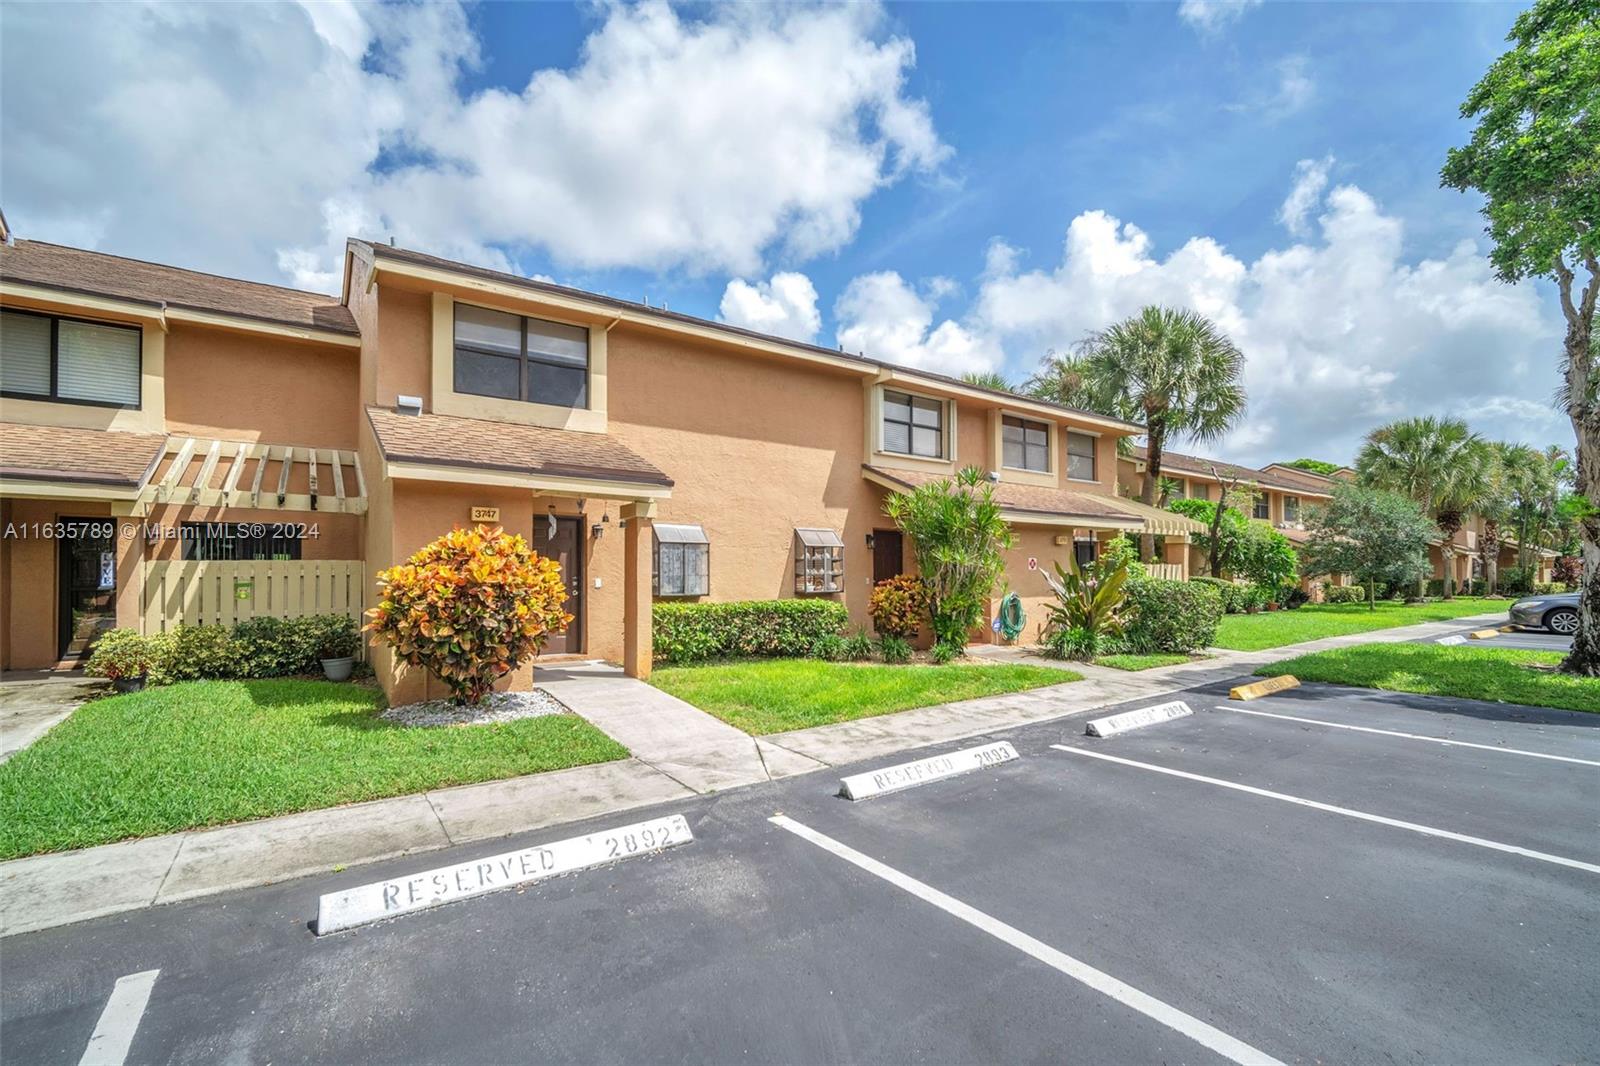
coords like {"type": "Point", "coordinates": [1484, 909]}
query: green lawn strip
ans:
{"type": "Point", "coordinates": [1273, 629]}
{"type": "Point", "coordinates": [1140, 662]}
{"type": "Point", "coordinates": [210, 752]}
{"type": "Point", "coordinates": [1504, 675]}
{"type": "Point", "coordinates": [777, 695]}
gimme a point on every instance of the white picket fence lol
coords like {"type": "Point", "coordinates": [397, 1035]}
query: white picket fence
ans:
{"type": "Point", "coordinates": [222, 593]}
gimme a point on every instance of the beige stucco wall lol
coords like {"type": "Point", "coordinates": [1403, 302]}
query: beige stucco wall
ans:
{"type": "Point", "coordinates": [29, 579]}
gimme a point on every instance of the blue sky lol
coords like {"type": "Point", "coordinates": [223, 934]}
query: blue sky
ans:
{"type": "Point", "coordinates": [902, 179]}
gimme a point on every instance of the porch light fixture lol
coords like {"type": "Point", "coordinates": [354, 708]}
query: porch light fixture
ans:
{"type": "Point", "coordinates": [870, 540]}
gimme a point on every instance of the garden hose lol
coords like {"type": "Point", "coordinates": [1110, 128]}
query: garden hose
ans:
{"type": "Point", "coordinates": [1011, 617]}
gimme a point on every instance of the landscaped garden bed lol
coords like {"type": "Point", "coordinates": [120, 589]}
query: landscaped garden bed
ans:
{"type": "Point", "coordinates": [1503, 675]}
{"type": "Point", "coordinates": [777, 695]}
{"type": "Point", "coordinates": [207, 753]}
{"type": "Point", "coordinates": [1274, 629]}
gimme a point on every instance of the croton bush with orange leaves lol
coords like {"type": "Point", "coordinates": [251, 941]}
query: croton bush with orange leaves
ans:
{"type": "Point", "coordinates": [470, 608]}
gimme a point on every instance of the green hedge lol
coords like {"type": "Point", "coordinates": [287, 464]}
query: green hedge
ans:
{"type": "Point", "coordinates": [1344, 594]}
{"type": "Point", "coordinates": [1172, 616]}
{"type": "Point", "coordinates": [1235, 597]}
{"type": "Point", "coordinates": [686, 632]}
{"type": "Point", "coordinates": [256, 647]}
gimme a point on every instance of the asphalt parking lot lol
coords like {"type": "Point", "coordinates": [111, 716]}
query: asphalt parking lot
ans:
{"type": "Point", "coordinates": [1318, 880]}
{"type": "Point", "coordinates": [1525, 639]}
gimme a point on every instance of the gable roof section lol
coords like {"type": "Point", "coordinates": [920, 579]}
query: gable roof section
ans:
{"type": "Point", "coordinates": [1281, 480]}
{"type": "Point", "coordinates": [74, 270]}
{"type": "Point", "coordinates": [663, 316]}
{"type": "Point", "coordinates": [479, 444]}
{"type": "Point", "coordinates": [111, 458]}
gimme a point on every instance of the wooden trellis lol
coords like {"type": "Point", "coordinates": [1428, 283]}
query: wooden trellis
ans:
{"type": "Point", "coordinates": [257, 476]}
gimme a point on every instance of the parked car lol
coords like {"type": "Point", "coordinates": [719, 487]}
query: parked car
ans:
{"type": "Point", "coordinates": [1557, 612]}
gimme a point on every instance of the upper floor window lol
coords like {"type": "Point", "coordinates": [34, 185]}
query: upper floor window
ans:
{"type": "Point", "coordinates": [1263, 507]}
{"type": "Point", "coordinates": [1175, 488]}
{"type": "Point", "coordinates": [913, 425]}
{"type": "Point", "coordinates": [1291, 508]}
{"type": "Point", "coordinates": [1199, 490]}
{"type": "Point", "coordinates": [512, 357]}
{"type": "Point", "coordinates": [47, 357]}
{"type": "Point", "coordinates": [1025, 443]}
{"type": "Point", "coordinates": [1080, 456]}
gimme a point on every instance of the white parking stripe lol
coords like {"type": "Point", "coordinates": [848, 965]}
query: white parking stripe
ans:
{"type": "Point", "coordinates": [1426, 830]}
{"type": "Point", "coordinates": [1191, 1027]}
{"type": "Point", "coordinates": [1412, 736]}
{"type": "Point", "coordinates": [113, 1035]}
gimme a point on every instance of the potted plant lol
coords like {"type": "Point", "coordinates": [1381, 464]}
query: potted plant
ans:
{"type": "Point", "coordinates": [336, 647]}
{"type": "Point", "coordinates": [122, 656]}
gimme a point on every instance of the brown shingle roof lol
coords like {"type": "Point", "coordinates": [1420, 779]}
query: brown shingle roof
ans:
{"type": "Point", "coordinates": [406, 255]}
{"type": "Point", "coordinates": [98, 274]}
{"type": "Point", "coordinates": [91, 456]}
{"type": "Point", "coordinates": [1033, 498]}
{"type": "Point", "coordinates": [1272, 479]}
{"type": "Point", "coordinates": [485, 445]}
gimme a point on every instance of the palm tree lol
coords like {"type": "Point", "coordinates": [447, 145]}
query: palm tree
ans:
{"type": "Point", "coordinates": [1532, 481]}
{"type": "Point", "coordinates": [987, 379]}
{"type": "Point", "coordinates": [1494, 507]}
{"type": "Point", "coordinates": [1439, 463]}
{"type": "Point", "coordinates": [1171, 369]}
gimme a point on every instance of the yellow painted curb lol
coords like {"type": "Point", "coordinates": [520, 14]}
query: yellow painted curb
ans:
{"type": "Point", "coordinates": [1508, 629]}
{"type": "Point", "coordinates": [1264, 688]}
{"type": "Point", "coordinates": [1483, 634]}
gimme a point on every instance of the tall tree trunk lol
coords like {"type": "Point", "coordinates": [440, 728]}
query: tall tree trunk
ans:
{"type": "Point", "coordinates": [1491, 556]}
{"type": "Point", "coordinates": [1155, 438]}
{"type": "Point", "coordinates": [1583, 407]}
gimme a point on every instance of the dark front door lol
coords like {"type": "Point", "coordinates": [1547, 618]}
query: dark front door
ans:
{"type": "Point", "coordinates": [887, 558]}
{"type": "Point", "coordinates": [565, 545]}
{"type": "Point", "coordinates": [86, 583]}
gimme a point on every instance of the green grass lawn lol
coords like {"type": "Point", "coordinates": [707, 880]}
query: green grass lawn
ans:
{"type": "Point", "coordinates": [776, 695]}
{"type": "Point", "coordinates": [1273, 629]}
{"type": "Point", "coordinates": [1501, 674]}
{"type": "Point", "coordinates": [1139, 662]}
{"type": "Point", "coordinates": [209, 752]}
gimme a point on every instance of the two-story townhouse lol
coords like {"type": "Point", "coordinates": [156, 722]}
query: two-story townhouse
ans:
{"type": "Point", "coordinates": [654, 455]}
{"type": "Point", "coordinates": [1280, 494]}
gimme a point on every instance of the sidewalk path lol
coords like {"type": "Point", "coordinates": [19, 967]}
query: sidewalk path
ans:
{"type": "Point", "coordinates": [29, 707]}
{"type": "Point", "coordinates": [677, 738]}
{"type": "Point", "coordinates": [679, 751]}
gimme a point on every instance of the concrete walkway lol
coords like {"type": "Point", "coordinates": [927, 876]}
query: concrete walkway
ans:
{"type": "Point", "coordinates": [31, 705]}
{"type": "Point", "coordinates": [679, 751]}
{"type": "Point", "coordinates": [677, 738]}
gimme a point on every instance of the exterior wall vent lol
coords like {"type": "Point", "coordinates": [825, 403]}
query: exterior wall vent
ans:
{"type": "Point", "coordinates": [408, 405]}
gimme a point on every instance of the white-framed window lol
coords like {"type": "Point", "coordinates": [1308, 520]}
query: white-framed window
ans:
{"type": "Point", "coordinates": [1025, 444]}
{"type": "Point", "coordinates": [1080, 456]}
{"type": "Point", "coordinates": [1262, 508]}
{"type": "Point", "coordinates": [913, 425]}
{"type": "Point", "coordinates": [682, 565]}
{"type": "Point", "coordinates": [818, 561]}
{"type": "Point", "coordinates": [513, 357]}
{"type": "Point", "coordinates": [1177, 489]}
{"type": "Point", "coordinates": [1291, 508]}
{"type": "Point", "coordinates": [1199, 490]}
{"type": "Point", "coordinates": [69, 360]}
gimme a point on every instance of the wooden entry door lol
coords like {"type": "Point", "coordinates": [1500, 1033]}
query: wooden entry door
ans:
{"type": "Point", "coordinates": [888, 554]}
{"type": "Point", "coordinates": [565, 546]}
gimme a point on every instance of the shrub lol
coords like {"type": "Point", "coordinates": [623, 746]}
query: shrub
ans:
{"type": "Point", "coordinates": [898, 606]}
{"type": "Point", "coordinates": [1568, 571]}
{"type": "Point", "coordinates": [1345, 594]}
{"type": "Point", "coordinates": [1549, 588]}
{"type": "Point", "coordinates": [895, 649]}
{"type": "Point", "coordinates": [1171, 616]}
{"type": "Point", "coordinates": [942, 653]}
{"type": "Point", "coordinates": [1293, 597]}
{"type": "Point", "coordinates": [859, 647]}
{"type": "Point", "coordinates": [1071, 642]}
{"type": "Point", "coordinates": [1516, 580]}
{"type": "Point", "coordinates": [1235, 597]}
{"type": "Point", "coordinates": [1089, 605]}
{"type": "Point", "coordinates": [959, 539]}
{"type": "Point", "coordinates": [120, 653]}
{"type": "Point", "coordinates": [1267, 558]}
{"type": "Point", "coordinates": [1121, 549]}
{"type": "Point", "coordinates": [333, 635]}
{"type": "Point", "coordinates": [470, 608]}
{"type": "Point", "coordinates": [273, 647]}
{"type": "Point", "coordinates": [687, 632]}
{"type": "Point", "coordinates": [830, 648]}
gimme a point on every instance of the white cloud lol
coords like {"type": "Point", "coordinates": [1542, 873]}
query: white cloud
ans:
{"type": "Point", "coordinates": [1295, 86]}
{"type": "Point", "coordinates": [786, 306]}
{"type": "Point", "coordinates": [1211, 16]}
{"type": "Point", "coordinates": [1341, 330]}
{"type": "Point", "coordinates": [881, 316]}
{"type": "Point", "coordinates": [1310, 180]}
{"type": "Point", "coordinates": [265, 130]}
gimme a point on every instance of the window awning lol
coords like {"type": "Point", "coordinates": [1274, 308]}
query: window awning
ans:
{"type": "Point", "coordinates": [818, 538]}
{"type": "Point", "coordinates": [1159, 522]}
{"type": "Point", "coordinates": [668, 533]}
